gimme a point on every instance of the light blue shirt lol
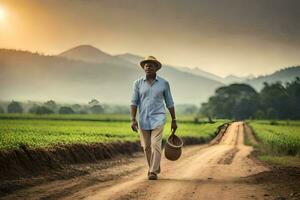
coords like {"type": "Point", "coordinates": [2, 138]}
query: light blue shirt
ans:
{"type": "Point", "coordinates": [150, 101]}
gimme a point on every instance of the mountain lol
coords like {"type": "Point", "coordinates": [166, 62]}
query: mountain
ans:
{"type": "Point", "coordinates": [85, 72]}
{"type": "Point", "coordinates": [135, 59]}
{"type": "Point", "coordinates": [200, 72]}
{"type": "Point", "coordinates": [86, 53]}
{"type": "Point", "coordinates": [283, 75]}
{"type": "Point", "coordinates": [236, 79]}
{"type": "Point", "coordinates": [28, 76]}
{"type": "Point", "coordinates": [76, 76]}
{"type": "Point", "coordinates": [227, 80]}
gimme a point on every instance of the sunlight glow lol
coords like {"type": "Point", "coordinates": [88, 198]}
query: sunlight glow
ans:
{"type": "Point", "coordinates": [2, 14]}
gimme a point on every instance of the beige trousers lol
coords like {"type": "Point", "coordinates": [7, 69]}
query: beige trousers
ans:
{"type": "Point", "coordinates": [151, 141]}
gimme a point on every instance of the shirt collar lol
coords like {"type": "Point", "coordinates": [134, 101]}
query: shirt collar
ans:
{"type": "Point", "coordinates": [144, 78]}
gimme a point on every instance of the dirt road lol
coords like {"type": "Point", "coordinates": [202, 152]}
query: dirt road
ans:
{"type": "Point", "coordinates": [203, 172]}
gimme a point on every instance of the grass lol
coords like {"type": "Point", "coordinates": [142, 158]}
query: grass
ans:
{"type": "Point", "coordinates": [60, 130]}
{"type": "Point", "coordinates": [89, 117]}
{"type": "Point", "coordinates": [280, 138]}
{"type": "Point", "coordinates": [287, 161]}
{"type": "Point", "coordinates": [279, 141]}
{"type": "Point", "coordinates": [75, 117]}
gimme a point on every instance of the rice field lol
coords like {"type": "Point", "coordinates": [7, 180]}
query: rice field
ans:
{"type": "Point", "coordinates": [48, 131]}
{"type": "Point", "coordinates": [279, 137]}
{"type": "Point", "coordinates": [88, 117]}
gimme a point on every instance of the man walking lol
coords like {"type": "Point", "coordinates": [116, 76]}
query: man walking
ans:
{"type": "Point", "coordinates": [149, 94]}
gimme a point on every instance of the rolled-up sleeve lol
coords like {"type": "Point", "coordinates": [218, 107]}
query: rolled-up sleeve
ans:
{"type": "Point", "coordinates": [168, 96]}
{"type": "Point", "coordinates": [135, 95]}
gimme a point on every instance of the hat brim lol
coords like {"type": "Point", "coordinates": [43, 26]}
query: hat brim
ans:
{"type": "Point", "coordinates": [142, 63]}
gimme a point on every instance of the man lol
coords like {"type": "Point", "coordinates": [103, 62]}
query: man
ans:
{"type": "Point", "coordinates": [149, 94]}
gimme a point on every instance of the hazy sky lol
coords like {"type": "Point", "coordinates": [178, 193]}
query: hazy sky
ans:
{"type": "Point", "coordinates": [224, 37]}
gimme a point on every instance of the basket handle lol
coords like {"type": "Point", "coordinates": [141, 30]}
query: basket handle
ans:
{"type": "Point", "coordinates": [172, 132]}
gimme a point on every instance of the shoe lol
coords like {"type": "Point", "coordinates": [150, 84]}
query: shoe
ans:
{"type": "Point", "coordinates": [157, 171]}
{"type": "Point", "coordinates": [152, 176]}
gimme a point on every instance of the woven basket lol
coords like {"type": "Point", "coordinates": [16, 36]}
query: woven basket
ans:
{"type": "Point", "coordinates": [173, 147]}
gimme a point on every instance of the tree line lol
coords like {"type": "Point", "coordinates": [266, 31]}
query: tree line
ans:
{"type": "Point", "coordinates": [92, 107]}
{"type": "Point", "coordinates": [241, 101]}
{"type": "Point", "coordinates": [50, 107]}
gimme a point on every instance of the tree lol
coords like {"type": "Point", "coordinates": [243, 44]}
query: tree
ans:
{"type": "Point", "coordinates": [240, 101]}
{"type": "Point", "coordinates": [274, 100]}
{"type": "Point", "coordinates": [97, 109]}
{"type": "Point", "coordinates": [65, 110]}
{"type": "Point", "coordinates": [236, 101]}
{"type": "Point", "coordinates": [76, 106]}
{"type": "Point", "coordinates": [244, 109]}
{"type": "Point", "coordinates": [14, 107]}
{"type": "Point", "coordinates": [293, 90]}
{"type": "Point", "coordinates": [259, 114]}
{"type": "Point", "coordinates": [43, 110]}
{"type": "Point", "coordinates": [82, 112]}
{"type": "Point", "coordinates": [33, 109]}
{"type": "Point", "coordinates": [205, 110]}
{"type": "Point", "coordinates": [51, 105]}
{"type": "Point", "coordinates": [2, 110]}
{"type": "Point", "coordinates": [94, 102]}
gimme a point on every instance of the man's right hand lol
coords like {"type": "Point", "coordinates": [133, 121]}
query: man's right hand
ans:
{"type": "Point", "coordinates": [134, 125]}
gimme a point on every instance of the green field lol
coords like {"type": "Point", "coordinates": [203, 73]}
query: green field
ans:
{"type": "Point", "coordinates": [278, 137]}
{"type": "Point", "coordinates": [88, 117]}
{"type": "Point", "coordinates": [75, 117]}
{"type": "Point", "coordinates": [35, 131]}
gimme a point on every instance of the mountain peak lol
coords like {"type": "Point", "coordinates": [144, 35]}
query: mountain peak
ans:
{"type": "Point", "coordinates": [130, 57]}
{"type": "Point", "coordinates": [232, 76]}
{"type": "Point", "coordinates": [86, 53]}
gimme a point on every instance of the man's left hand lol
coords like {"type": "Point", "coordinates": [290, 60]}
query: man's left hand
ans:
{"type": "Point", "coordinates": [173, 126]}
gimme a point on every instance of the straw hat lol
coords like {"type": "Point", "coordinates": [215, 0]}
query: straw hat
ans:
{"type": "Point", "coordinates": [173, 147]}
{"type": "Point", "coordinates": [150, 59]}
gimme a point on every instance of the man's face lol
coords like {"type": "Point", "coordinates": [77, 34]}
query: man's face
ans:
{"type": "Point", "coordinates": [150, 68]}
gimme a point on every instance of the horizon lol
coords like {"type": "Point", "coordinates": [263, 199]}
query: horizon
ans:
{"type": "Point", "coordinates": [203, 34]}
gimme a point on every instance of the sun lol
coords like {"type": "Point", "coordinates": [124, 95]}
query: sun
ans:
{"type": "Point", "coordinates": [2, 14]}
